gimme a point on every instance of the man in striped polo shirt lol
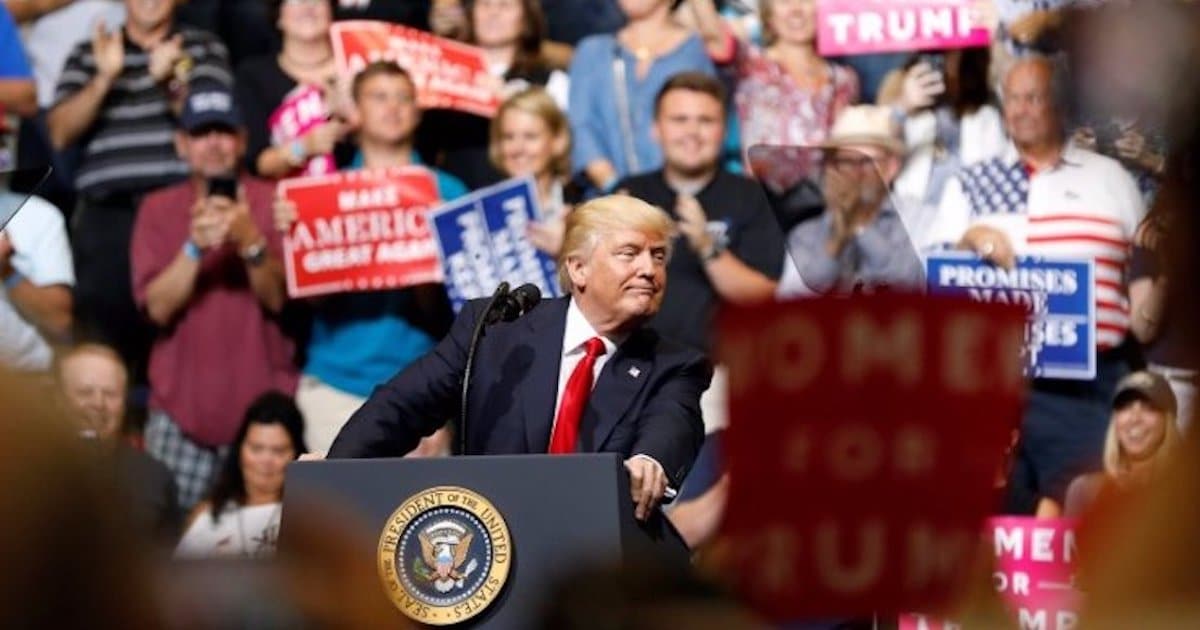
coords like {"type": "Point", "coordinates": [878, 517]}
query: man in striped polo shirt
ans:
{"type": "Point", "coordinates": [117, 97]}
{"type": "Point", "coordinates": [1044, 196]}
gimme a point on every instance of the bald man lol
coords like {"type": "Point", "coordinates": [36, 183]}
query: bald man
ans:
{"type": "Point", "coordinates": [92, 383]}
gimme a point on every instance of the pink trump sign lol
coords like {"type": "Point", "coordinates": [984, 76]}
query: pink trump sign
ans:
{"type": "Point", "coordinates": [856, 27]}
{"type": "Point", "coordinates": [1035, 570]}
{"type": "Point", "coordinates": [300, 112]}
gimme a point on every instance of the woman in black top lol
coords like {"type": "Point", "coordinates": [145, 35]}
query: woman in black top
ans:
{"type": "Point", "coordinates": [304, 68]}
{"type": "Point", "coordinates": [511, 33]}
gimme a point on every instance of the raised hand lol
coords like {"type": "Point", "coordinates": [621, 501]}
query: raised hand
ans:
{"type": "Point", "coordinates": [108, 49]}
{"type": "Point", "coordinates": [163, 57]}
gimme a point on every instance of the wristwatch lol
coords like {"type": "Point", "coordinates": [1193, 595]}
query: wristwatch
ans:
{"type": "Point", "coordinates": [255, 254]}
{"type": "Point", "coordinates": [715, 249]}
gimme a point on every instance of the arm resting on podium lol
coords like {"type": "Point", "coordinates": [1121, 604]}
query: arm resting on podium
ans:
{"type": "Point", "coordinates": [671, 426]}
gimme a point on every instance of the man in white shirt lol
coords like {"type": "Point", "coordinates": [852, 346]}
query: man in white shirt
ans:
{"type": "Point", "coordinates": [1044, 196]}
{"type": "Point", "coordinates": [37, 275]}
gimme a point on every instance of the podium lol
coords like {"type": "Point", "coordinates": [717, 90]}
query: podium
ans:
{"type": "Point", "coordinates": [447, 531]}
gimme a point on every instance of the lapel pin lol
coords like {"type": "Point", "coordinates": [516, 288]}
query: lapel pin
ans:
{"type": "Point", "coordinates": [634, 372]}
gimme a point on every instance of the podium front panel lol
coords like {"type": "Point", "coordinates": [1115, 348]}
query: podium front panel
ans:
{"type": "Point", "coordinates": [563, 514]}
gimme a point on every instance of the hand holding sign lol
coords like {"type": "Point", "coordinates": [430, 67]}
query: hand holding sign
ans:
{"type": "Point", "coordinates": [447, 74]}
{"type": "Point", "coordinates": [284, 211]}
{"type": "Point", "coordinates": [358, 231]}
{"type": "Point", "coordinates": [991, 244]}
{"type": "Point", "coordinates": [321, 139]}
{"type": "Point", "coordinates": [854, 27]}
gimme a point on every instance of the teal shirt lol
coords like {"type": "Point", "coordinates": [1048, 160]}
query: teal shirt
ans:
{"type": "Point", "coordinates": [360, 340]}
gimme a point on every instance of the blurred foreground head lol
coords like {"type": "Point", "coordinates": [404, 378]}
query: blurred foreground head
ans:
{"type": "Point", "coordinates": [1141, 569]}
{"type": "Point", "coordinates": [648, 597]}
{"type": "Point", "coordinates": [73, 559]}
{"type": "Point", "coordinates": [70, 557]}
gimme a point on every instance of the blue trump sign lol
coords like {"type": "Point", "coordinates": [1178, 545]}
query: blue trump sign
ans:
{"type": "Point", "coordinates": [481, 242]}
{"type": "Point", "coordinates": [1060, 339]}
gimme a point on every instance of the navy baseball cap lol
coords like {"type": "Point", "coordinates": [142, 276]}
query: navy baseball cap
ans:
{"type": "Point", "coordinates": [210, 105]}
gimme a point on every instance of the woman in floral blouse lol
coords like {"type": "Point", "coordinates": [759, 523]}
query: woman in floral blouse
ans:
{"type": "Point", "coordinates": [786, 93]}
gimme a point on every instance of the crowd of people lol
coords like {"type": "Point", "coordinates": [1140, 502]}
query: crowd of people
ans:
{"type": "Point", "coordinates": [150, 268]}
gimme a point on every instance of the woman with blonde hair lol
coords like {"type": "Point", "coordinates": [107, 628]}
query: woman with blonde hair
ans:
{"type": "Point", "coordinates": [530, 137]}
{"type": "Point", "coordinates": [1141, 438]}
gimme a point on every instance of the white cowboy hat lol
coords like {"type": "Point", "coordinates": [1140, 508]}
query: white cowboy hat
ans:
{"type": "Point", "coordinates": [865, 124]}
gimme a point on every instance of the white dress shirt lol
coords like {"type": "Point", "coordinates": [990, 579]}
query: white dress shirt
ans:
{"type": "Point", "coordinates": [576, 333]}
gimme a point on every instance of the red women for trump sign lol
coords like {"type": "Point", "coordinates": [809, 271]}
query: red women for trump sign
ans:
{"type": "Point", "coordinates": [447, 74]}
{"type": "Point", "coordinates": [865, 438]}
{"type": "Point", "coordinates": [360, 231]}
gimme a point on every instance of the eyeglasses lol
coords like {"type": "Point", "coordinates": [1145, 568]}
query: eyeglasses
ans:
{"type": "Point", "coordinates": [850, 165]}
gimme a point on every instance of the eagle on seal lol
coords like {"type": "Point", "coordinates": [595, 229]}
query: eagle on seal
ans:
{"type": "Point", "coordinates": [445, 559]}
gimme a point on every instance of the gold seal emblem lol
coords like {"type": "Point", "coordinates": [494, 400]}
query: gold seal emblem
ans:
{"type": "Point", "coordinates": [444, 555]}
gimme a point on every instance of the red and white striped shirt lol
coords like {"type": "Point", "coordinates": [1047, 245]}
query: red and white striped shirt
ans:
{"type": "Point", "coordinates": [1085, 208]}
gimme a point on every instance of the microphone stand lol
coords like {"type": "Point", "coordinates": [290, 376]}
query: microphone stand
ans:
{"type": "Point", "coordinates": [501, 291]}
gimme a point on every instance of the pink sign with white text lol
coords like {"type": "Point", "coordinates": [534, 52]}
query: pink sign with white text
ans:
{"type": "Point", "coordinates": [1035, 570]}
{"type": "Point", "coordinates": [856, 27]}
{"type": "Point", "coordinates": [1033, 573]}
{"type": "Point", "coordinates": [300, 112]}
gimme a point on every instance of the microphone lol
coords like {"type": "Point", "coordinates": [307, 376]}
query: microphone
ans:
{"type": "Point", "coordinates": [498, 295]}
{"type": "Point", "coordinates": [514, 304]}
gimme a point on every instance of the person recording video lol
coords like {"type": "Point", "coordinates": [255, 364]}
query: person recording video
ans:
{"type": "Point", "coordinates": [207, 272]}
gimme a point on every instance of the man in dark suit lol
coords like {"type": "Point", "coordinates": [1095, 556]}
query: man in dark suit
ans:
{"type": "Point", "coordinates": [645, 403]}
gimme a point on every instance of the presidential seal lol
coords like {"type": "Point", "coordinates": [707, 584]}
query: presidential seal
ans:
{"type": "Point", "coordinates": [444, 555]}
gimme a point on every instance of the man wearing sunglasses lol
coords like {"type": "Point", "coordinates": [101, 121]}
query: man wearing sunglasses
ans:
{"type": "Point", "coordinates": [859, 242]}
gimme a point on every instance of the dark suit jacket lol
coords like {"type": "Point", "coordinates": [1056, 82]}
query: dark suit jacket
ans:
{"type": "Point", "coordinates": [646, 399]}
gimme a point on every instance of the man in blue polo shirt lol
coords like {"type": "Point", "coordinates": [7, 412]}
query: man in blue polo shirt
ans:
{"type": "Point", "coordinates": [361, 339]}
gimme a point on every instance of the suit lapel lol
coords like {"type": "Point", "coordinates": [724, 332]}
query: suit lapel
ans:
{"type": "Point", "coordinates": [545, 333]}
{"type": "Point", "coordinates": [616, 387]}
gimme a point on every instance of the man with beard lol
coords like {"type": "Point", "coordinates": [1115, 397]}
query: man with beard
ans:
{"type": "Point", "coordinates": [859, 242]}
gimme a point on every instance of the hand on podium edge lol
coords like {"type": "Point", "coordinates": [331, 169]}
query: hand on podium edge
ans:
{"type": "Point", "coordinates": [647, 484]}
{"type": "Point", "coordinates": [311, 457]}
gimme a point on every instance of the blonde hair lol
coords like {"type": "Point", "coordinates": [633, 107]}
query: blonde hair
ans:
{"type": "Point", "coordinates": [1115, 464]}
{"type": "Point", "coordinates": [586, 224]}
{"type": "Point", "coordinates": [537, 102]}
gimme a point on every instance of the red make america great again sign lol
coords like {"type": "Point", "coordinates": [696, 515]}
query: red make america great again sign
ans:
{"type": "Point", "coordinates": [360, 231]}
{"type": "Point", "coordinates": [447, 74]}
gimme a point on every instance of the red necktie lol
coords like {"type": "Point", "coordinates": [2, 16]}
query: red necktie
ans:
{"type": "Point", "coordinates": [579, 387]}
